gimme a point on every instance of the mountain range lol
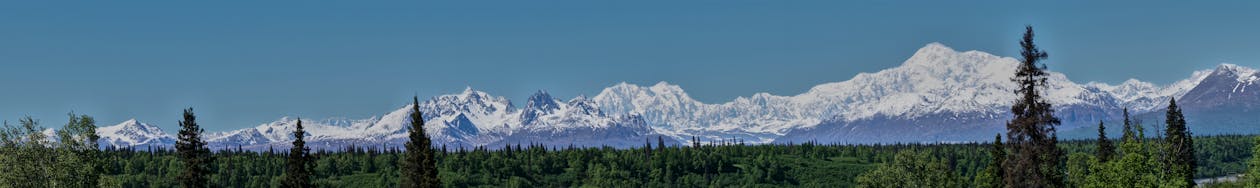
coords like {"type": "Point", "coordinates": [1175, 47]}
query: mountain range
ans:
{"type": "Point", "coordinates": [937, 95]}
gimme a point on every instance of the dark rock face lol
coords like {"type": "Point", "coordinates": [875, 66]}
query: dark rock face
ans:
{"type": "Point", "coordinates": [1228, 87]}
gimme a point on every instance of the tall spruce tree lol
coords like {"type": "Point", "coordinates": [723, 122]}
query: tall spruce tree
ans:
{"type": "Point", "coordinates": [193, 152]}
{"type": "Point", "coordinates": [1128, 127]}
{"type": "Point", "coordinates": [1034, 155]}
{"type": "Point", "coordinates": [1106, 150]}
{"type": "Point", "coordinates": [301, 166]}
{"type": "Point", "coordinates": [419, 168]}
{"type": "Point", "coordinates": [1179, 145]}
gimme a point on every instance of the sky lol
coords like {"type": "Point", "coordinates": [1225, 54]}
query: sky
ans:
{"type": "Point", "coordinates": [244, 63]}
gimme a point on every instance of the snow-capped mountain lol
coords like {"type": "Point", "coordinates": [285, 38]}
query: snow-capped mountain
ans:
{"type": "Point", "coordinates": [132, 133]}
{"type": "Point", "coordinates": [1228, 84]}
{"type": "Point", "coordinates": [937, 94]}
{"type": "Point", "coordinates": [468, 119]}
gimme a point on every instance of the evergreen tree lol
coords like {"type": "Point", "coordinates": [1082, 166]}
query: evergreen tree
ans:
{"type": "Point", "coordinates": [1179, 145]}
{"type": "Point", "coordinates": [1128, 127]}
{"type": "Point", "coordinates": [300, 169]}
{"type": "Point", "coordinates": [1034, 155]}
{"type": "Point", "coordinates": [419, 168]}
{"type": "Point", "coordinates": [193, 153]}
{"type": "Point", "coordinates": [991, 176]}
{"type": "Point", "coordinates": [660, 143]}
{"type": "Point", "coordinates": [1106, 150]}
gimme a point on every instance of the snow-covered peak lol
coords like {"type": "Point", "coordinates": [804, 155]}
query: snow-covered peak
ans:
{"type": "Point", "coordinates": [930, 51]}
{"type": "Point", "coordinates": [1129, 90]}
{"type": "Point", "coordinates": [658, 102]}
{"type": "Point", "coordinates": [666, 88]}
{"type": "Point", "coordinates": [1180, 88]}
{"type": "Point", "coordinates": [131, 122]}
{"type": "Point", "coordinates": [133, 133]}
{"type": "Point", "coordinates": [541, 101]}
{"type": "Point", "coordinates": [1243, 74]}
{"type": "Point", "coordinates": [132, 126]}
{"type": "Point", "coordinates": [539, 104]}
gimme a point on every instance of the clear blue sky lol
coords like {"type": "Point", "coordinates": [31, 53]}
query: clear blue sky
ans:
{"type": "Point", "coordinates": [243, 63]}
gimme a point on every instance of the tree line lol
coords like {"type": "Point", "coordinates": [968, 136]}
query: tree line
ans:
{"type": "Point", "coordinates": [716, 164]}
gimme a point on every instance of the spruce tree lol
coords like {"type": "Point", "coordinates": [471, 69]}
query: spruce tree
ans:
{"type": "Point", "coordinates": [1034, 155]}
{"type": "Point", "coordinates": [660, 143]}
{"type": "Point", "coordinates": [419, 168]}
{"type": "Point", "coordinates": [1106, 150]}
{"type": "Point", "coordinates": [1128, 127]}
{"type": "Point", "coordinates": [193, 153]}
{"type": "Point", "coordinates": [1179, 145]}
{"type": "Point", "coordinates": [301, 166]}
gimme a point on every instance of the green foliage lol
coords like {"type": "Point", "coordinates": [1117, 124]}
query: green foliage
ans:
{"type": "Point", "coordinates": [77, 162]}
{"type": "Point", "coordinates": [991, 176]}
{"type": "Point", "coordinates": [711, 165]}
{"type": "Point", "coordinates": [911, 169]}
{"type": "Point", "coordinates": [27, 155]}
{"type": "Point", "coordinates": [28, 158]}
{"type": "Point", "coordinates": [1078, 168]}
{"type": "Point", "coordinates": [1140, 165]}
{"type": "Point", "coordinates": [1253, 171]}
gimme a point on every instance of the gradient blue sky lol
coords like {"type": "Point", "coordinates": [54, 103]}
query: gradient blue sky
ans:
{"type": "Point", "coordinates": [243, 63]}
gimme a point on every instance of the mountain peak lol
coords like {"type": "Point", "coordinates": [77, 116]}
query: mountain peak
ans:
{"type": "Point", "coordinates": [1241, 74]}
{"type": "Point", "coordinates": [931, 54]}
{"type": "Point", "coordinates": [134, 124]}
{"type": "Point", "coordinates": [665, 87]}
{"type": "Point", "coordinates": [541, 93]}
{"type": "Point", "coordinates": [133, 132]}
{"type": "Point", "coordinates": [935, 47]}
{"type": "Point", "coordinates": [541, 101]}
{"type": "Point", "coordinates": [131, 121]}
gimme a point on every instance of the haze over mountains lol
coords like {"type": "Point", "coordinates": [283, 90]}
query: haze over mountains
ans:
{"type": "Point", "coordinates": [937, 95]}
